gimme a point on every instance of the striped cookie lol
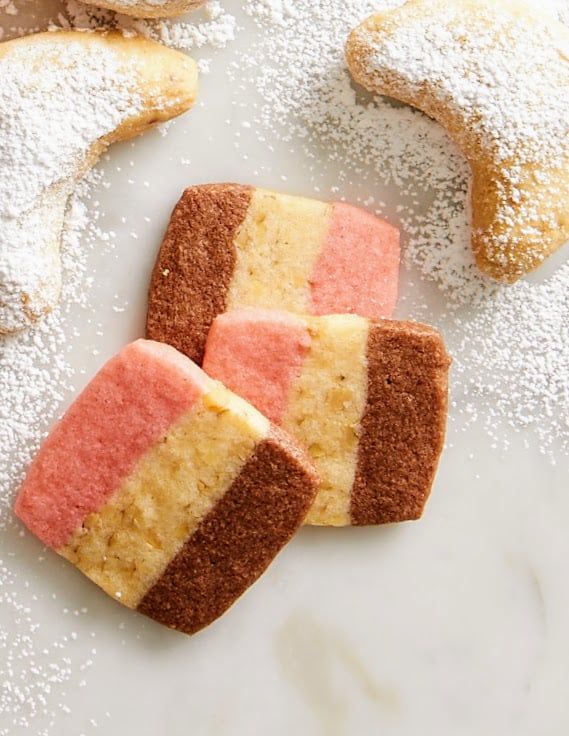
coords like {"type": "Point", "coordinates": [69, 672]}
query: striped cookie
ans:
{"type": "Point", "coordinates": [230, 246]}
{"type": "Point", "coordinates": [367, 399]}
{"type": "Point", "coordinates": [167, 490]}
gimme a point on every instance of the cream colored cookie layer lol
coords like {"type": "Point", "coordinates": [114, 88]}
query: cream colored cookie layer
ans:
{"type": "Point", "coordinates": [325, 406]}
{"type": "Point", "coordinates": [292, 231]}
{"type": "Point", "coordinates": [126, 545]}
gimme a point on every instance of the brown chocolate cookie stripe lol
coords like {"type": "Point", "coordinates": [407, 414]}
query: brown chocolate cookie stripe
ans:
{"type": "Point", "coordinates": [403, 426]}
{"type": "Point", "coordinates": [237, 540]}
{"type": "Point", "coordinates": [193, 271]}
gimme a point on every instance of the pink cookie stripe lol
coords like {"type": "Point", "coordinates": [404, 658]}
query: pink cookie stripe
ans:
{"type": "Point", "coordinates": [357, 270]}
{"type": "Point", "coordinates": [251, 339]}
{"type": "Point", "coordinates": [126, 408]}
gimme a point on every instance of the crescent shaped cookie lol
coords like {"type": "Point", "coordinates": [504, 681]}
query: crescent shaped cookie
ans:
{"type": "Point", "coordinates": [148, 8]}
{"type": "Point", "coordinates": [164, 488]}
{"type": "Point", "coordinates": [367, 399]}
{"type": "Point", "coordinates": [496, 76]}
{"type": "Point", "coordinates": [64, 98]}
{"type": "Point", "coordinates": [229, 246]}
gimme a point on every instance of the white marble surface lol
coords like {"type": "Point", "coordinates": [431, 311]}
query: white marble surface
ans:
{"type": "Point", "coordinates": [456, 624]}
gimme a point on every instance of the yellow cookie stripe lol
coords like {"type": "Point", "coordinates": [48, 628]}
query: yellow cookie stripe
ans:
{"type": "Point", "coordinates": [280, 236]}
{"type": "Point", "coordinates": [126, 545]}
{"type": "Point", "coordinates": [325, 408]}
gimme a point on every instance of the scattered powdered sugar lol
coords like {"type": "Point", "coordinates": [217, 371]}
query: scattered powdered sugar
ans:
{"type": "Point", "coordinates": [308, 98]}
{"type": "Point", "coordinates": [45, 138]}
{"type": "Point", "coordinates": [210, 26]}
{"type": "Point", "coordinates": [40, 149]}
{"type": "Point", "coordinates": [508, 86]}
{"type": "Point", "coordinates": [44, 133]}
{"type": "Point", "coordinates": [35, 377]}
{"type": "Point", "coordinates": [34, 371]}
{"type": "Point", "coordinates": [34, 670]}
{"type": "Point", "coordinates": [502, 78]}
{"type": "Point", "coordinates": [512, 357]}
{"type": "Point", "coordinates": [510, 344]}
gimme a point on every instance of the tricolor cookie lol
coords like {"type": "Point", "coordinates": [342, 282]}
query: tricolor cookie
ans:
{"type": "Point", "coordinates": [167, 490]}
{"type": "Point", "coordinates": [495, 74]}
{"type": "Point", "coordinates": [368, 400]}
{"type": "Point", "coordinates": [230, 246]}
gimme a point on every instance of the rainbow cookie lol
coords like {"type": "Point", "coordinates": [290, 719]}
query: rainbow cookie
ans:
{"type": "Point", "coordinates": [368, 399]}
{"type": "Point", "coordinates": [167, 490]}
{"type": "Point", "coordinates": [230, 246]}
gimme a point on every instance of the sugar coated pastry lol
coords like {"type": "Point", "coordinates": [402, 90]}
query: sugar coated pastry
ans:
{"type": "Point", "coordinates": [64, 97]}
{"type": "Point", "coordinates": [167, 490]}
{"type": "Point", "coordinates": [148, 8]}
{"type": "Point", "coordinates": [495, 74]}
{"type": "Point", "coordinates": [368, 399]}
{"type": "Point", "coordinates": [229, 246]}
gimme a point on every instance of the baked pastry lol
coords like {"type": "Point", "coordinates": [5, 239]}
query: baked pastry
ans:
{"type": "Point", "coordinates": [496, 76]}
{"type": "Point", "coordinates": [65, 96]}
{"type": "Point", "coordinates": [367, 399]}
{"type": "Point", "coordinates": [229, 246]}
{"type": "Point", "coordinates": [167, 490]}
{"type": "Point", "coordinates": [148, 8]}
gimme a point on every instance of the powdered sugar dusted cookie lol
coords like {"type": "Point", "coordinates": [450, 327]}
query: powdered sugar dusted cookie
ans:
{"type": "Point", "coordinates": [229, 246]}
{"type": "Point", "coordinates": [496, 76]}
{"type": "Point", "coordinates": [64, 97]}
{"type": "Point", "coordinates": [367, 399]}
{"type": "Point", "coordinates": [148, 8]}
{"type": "Point", "coordinates": [167, 490]}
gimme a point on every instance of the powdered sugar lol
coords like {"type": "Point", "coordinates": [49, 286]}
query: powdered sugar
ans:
{"type": "Point", "coordinates": [503, 76]}
{"type": "Point", "coordinates": [512, 356]}
{"type": "Point", "coordinates": [211, 26]}
{"type": "Point", "coordinates": [36, 374]}
{"type": "Point", "coordinates": [44, 133]}
{"type": "Point", "coordinates": [510, 344]}
{"type": "Point", "coordinates": [384, 145]}
{"type": "Point", "coordinates": [34, 379]}
{"type": "Point", "coordinates": [499, 79]}
{"type": "Point", "coordinates": [49, 119]}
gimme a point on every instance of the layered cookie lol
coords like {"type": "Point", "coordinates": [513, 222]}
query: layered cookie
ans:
{"type": "Point", "coordinates": [368, 400]}
{"type": "Point", "coordinates": [230, 246]}
{"type": "Point", "coordinates": [167, 490]}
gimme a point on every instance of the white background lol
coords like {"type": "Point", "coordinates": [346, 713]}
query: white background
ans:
{"type": "Point", "coordinates": [456, 624]}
